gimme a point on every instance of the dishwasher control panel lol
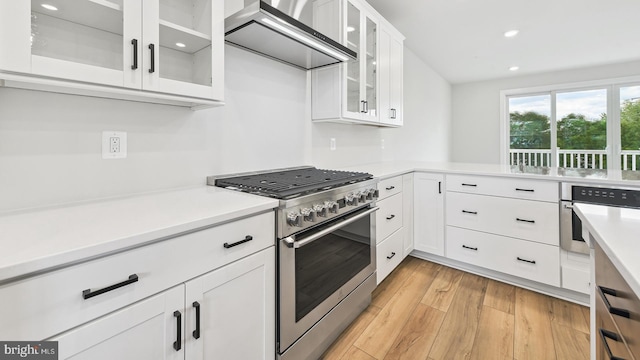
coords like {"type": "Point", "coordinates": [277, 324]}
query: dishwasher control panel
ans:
{"type": "Point", "coordinates": [606, 196]}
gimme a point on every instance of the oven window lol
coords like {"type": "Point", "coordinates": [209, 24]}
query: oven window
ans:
{"type": "Point", "coordinates": [576, 227]}
{"type": "Point", "coordinates": [325, 265]}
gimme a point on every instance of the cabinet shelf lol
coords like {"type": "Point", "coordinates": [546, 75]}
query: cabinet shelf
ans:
{"type": "Point", "coordinates": [353, 46]}
{"type": "Point", "coordinates": [171, 33]}
{"type": "Point", "coordinates": [349, 78]}
{"type": "Point", "coordinates": [98, 14]}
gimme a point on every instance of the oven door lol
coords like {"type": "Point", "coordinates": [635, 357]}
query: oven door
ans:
{"type": "Point", "coordinates": [320, 267]}
{"type": "Point", "coordinates": [571, 229]}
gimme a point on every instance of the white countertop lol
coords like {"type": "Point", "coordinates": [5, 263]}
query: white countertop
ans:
{"type": "Point", "coordinates": [383, 170]}
{"type": "Point", "coordinates": [39, 240]}
{"type": "Point", "coordinates": [617, 232]}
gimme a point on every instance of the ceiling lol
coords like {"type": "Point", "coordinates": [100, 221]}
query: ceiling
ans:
{"type": "Point", "coordinates": [463, 39]}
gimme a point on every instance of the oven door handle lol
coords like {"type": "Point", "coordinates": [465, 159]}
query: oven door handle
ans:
{"type": "Point", "coordinates": [309, 239]}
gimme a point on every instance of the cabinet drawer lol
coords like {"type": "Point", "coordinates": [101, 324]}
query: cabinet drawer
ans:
{"type": "Point", "coordinates": [523, 219]}
{"type": "Point", "coordinates": [506, 187]}
{"type": "Point", "coordinates": [604, 324]}
{"type": "Point", "coordinates": [47, 304]}
{"type": "Point", "coordinates": [576, 279]}
{"type": "Point", "coordinates": [607, 276]}
{"type": "Point", "coordinates": [388, 255]}
{"type": "Point", "coordinates": [525, 259]}
{"type": "Point", "coordinates": [389, 217]}
{"type": "Point", "coordinates": [388, 187]}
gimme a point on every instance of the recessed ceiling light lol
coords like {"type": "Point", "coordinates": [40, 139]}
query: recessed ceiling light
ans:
{"type": "Point", "coordinates": [180, 45]}
{"type": "Point", "coordinates": [511, 33]}
{"type": "Point", "coordinates": [351, 29]}
{"type": "Point", "coordinates": [514, 68]}
{"type": "Point", "coordinates": [49, 7]}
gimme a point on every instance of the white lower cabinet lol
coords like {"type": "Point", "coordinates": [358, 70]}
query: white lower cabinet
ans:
{"type": "Point", "coordinates": [390, 225]}
{"type": "Point", "coordinates": [407, 212]}
{"type": "Point", "coordinates": [228, 313]}
{"type": "Point", "coordinates": [142, 331]}
{"type": "Point", "coordinates": [389, 254]}
{"type": "Point", "coordinates": [428, 207]}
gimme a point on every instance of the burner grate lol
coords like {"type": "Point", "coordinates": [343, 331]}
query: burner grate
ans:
{"type": "Point", "coordinates": [290, 183]}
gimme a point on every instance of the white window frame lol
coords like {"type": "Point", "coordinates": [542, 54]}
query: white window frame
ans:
{"type": "Point", "coordinates": [612, 86]}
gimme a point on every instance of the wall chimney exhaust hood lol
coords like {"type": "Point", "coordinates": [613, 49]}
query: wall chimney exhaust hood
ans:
{"type": "Point", "coordinates": [281, 30]}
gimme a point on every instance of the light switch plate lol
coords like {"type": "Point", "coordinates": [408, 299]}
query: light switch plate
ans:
{"type": "Point", "coordinates": [114, 144]}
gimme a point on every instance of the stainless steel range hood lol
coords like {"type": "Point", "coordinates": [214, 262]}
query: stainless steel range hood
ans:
{"type": "Point", "coordinates": [278, 30]}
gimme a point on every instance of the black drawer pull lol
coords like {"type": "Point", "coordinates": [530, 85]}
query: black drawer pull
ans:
{"type": "Point", "coordinates": [470, 248]}
{"type": "Point", "coordinates": [177, 345]}
{"type": "Point", "coordinates": [612, 310]}
{"type": "Point", "coordinates": [470, 212]}
{"type": "Point", "coordinates": [472, 185]}
{"type": "Point", "coordinates": [246, 239]}
{"type": "Point", "coordinates": [392, 255]}
{"type": "Point", "coordinates": [527, 190]}
{"type": "Point", "coordinates": [604, 334]}
{"type": "Point", "coordinates": [152, 51]}
{"type": "Point", "coordinates": [525, 220]}
{"type": "Point", "coordinates": [525, 260]}
{"type": "Point", "coordinates": [86, 294]}
{"type": "Point", "coordinates": [196, 332]}
{"type": "Point", "coordinates": [390, 187]}
{"type": "Point", "coordinates": [390, 217]}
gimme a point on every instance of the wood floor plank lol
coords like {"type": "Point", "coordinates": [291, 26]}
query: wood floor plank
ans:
{"type": "Point", "coordinates": [442, 290]}
{"type": "Point", "coordinates": [350, 334]}
{"type": "Point", "coordinates": [494, 339]}
{"type": "Point", "coordinates": [586, 312]}
{"type": "Point", "coordinates": [570, 343]}
{"type": "Point", "coordinates": [357, 354]}
{"type": "Point", "coordinates": [379, 336]}
{"type": "Point", "coordinates": [500, 296]}
{"type": "Point", "coordinates": [394, 281]}
{"type": "Point", "coordinates": [458, 331]}
{"type": "Point", "coordinates": [568, 314]}
{"type": "Point", "coordinates": [533, 338]}
{"type": "Point", "coordinates": [418, 334]}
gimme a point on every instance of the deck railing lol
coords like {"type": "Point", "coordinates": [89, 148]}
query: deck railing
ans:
{"type": "Point", "coordinates": [586, 159]}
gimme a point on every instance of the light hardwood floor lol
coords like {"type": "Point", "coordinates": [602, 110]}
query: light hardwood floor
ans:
{"type": "Point", "coordinates": [428, 311]}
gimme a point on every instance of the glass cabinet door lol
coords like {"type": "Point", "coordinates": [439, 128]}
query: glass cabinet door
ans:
{"type": "Point", "coordinates": [84, 40]}
{"type": "Point", "coordinates": [370, 68]}
{"type": "Point", "coordinates": [185, 42]}
{"type": "Point", "coordinates": [354, 103]}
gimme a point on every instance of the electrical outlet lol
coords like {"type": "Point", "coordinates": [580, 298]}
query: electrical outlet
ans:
{"type": "Point", "coordinates": [114, 144]}
{"type": "Point", "coordinates": [332, 144]}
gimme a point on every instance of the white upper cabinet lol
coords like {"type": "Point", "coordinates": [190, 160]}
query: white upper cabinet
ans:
{"type": "Point", "coordinates": [350, 92]}
{"type": "Point", "coordinates": [162, 47]}
{"type": "Point", "coordinates": [390, 65]}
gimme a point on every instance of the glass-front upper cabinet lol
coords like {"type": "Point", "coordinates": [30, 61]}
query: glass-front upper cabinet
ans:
{"type": "Point", "coordinates": [166, 46]}
{"type": "Point", "coordinates": [361, 80]}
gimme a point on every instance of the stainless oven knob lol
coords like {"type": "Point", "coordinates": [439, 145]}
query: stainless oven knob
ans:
{"type": "Point", "coordinates": [351, 199]}
{"type": "Point", "coordinates": [308, 215]}
{"type": "Point", "coordinates": [294, 219]}
{"type": "Point", "coordinates": [332, 206]}
{"type": "Point", "coordinates": [320, 210]}
{"type": "Point", "coordinates": [370, 193]}
{"type": "Point", "coordinates": [374, 193]}
{"type": "Point", "coordinates": [363, 195]}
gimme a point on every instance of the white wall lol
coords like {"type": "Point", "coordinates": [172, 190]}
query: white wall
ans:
{"type": "Point", "coordinates": [476, 107]}
{"type": "Point", "coordinates": [50, 144]}
{"type": "Point", "coordinates": [425, 135]}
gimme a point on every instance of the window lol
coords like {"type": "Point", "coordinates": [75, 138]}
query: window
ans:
{"type": "Point", "coordinates": [574, 126]}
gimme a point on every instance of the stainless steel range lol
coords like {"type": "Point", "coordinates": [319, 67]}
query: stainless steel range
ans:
{"type": "Point", "coordinates": [326, 251]}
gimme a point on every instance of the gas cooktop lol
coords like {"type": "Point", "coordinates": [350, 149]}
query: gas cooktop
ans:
{"type": "Point", "coordinates": [289, 183]}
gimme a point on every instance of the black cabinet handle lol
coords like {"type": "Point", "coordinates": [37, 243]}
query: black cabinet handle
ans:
{"type": "Point", "coordinates": [86, 294]}
{"type": "Point", "coordinates": [177, 345]}
{"type": "Point", "coordinates": [439, 187]}
{"type": "Point", "coordinates": [362, 106]}
{"type": "Point", "coordinates": [470, 248]}
{"type": "Point", "coordinates": [606, 334]}
{"type": "Point", "coordinates": [527, 190]}
{"type": "Point", "coordinates": [392, 255]}
{"type": "Point", "coordinates": [612, 310]}
{"type": "Point", "coordinates": [390, 187]}
{"type": "Point", "coordinates": [152, 50]}
{"type": "Point", "coordinates": [246, 239]}
{"type": "Point", "coordinates": [470, 212]}
{"type": "Point", "coordinates": [134, 44]}
{"type": "Point", "coordinates": [390, 217]}
{"type": "Point", "coordinates": [525, 260]}
{"type": "Point", "coordinates": [472, 185]}
{"type": "Point", "coordinates": [196, 332]}
{"type": "Point", "coordinates": [525, 220]}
